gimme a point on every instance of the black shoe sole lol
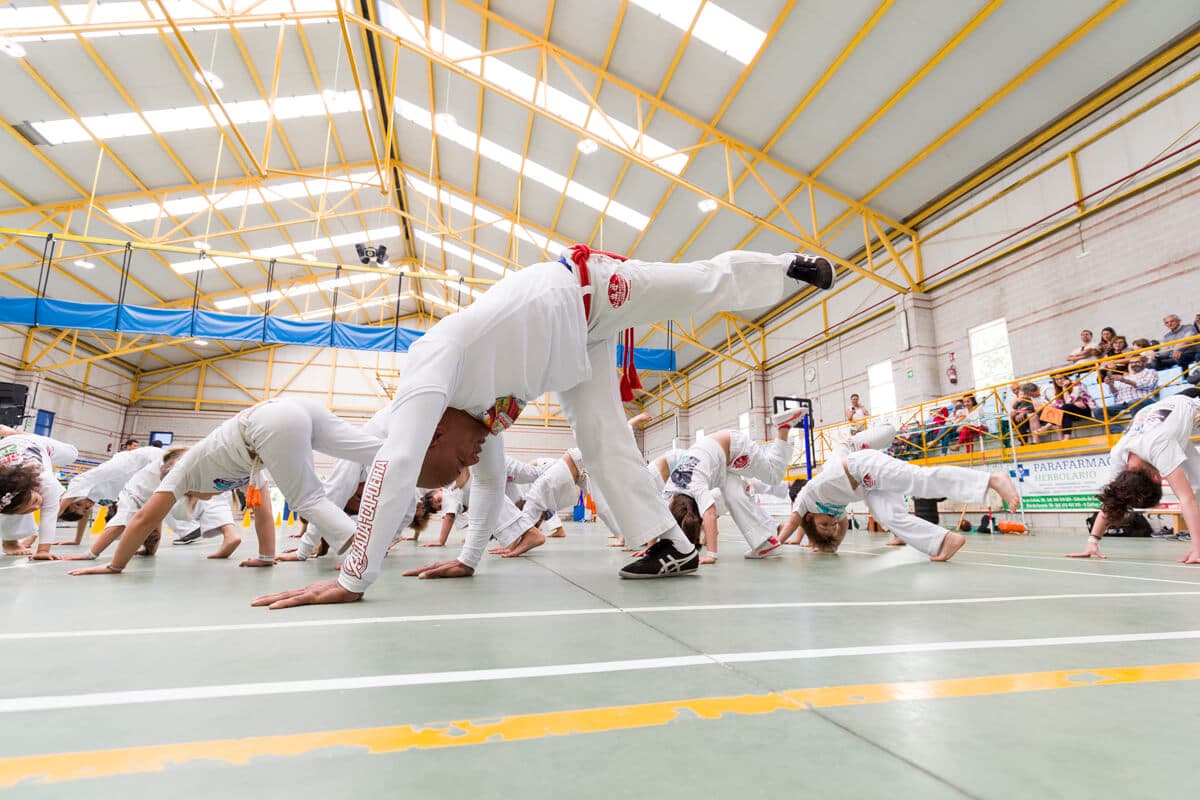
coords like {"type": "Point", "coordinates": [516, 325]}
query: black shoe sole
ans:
{"type": "Point", "coordinates": [639, 576]}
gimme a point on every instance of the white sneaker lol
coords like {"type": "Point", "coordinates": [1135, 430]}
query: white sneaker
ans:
{"type": "Point", "coordinates": [787, 417]}
{"type": "Point", "coordinates": [766, 549]}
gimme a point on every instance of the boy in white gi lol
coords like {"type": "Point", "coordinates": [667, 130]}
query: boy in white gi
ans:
{"type": "Point", "coordinates": [28, 483]}
{"type": "Point", "coordinates": [549, 327]}
{"type": "Point", "coordinates": [883, 482]}
{"type": "Point", "coordinates": [1156, 447]}
{"type": "Point", "coordinates": [279, 435]}
{"type": "Point", "coordinates": [719, 461]}
{"type": "Point", "coordinates": [102, 483]}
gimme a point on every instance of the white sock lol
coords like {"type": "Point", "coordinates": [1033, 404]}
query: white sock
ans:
{"type": "Point", "coordinates": [681, 543]}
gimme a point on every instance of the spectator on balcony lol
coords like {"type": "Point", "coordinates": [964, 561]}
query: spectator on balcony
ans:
{"type": "Point", "coordinates": [1023, 410]}
{"type": "Point", "coordinates": [1074, 401]}
{"type": "Point", "coordinates": [1104, 346]}
{"type": "Point", "coordinates": [971, 428]}
{"type": "Point", "coordinates": [1114, 362]}
{"type": "Point", "coordinates": [939, 430]}
{"type": "Point", "coordinates": [1086, 351]}
{"type": "Point", "coordinates": [856, 415]}
{"type": "Point", "coordinates": [1176, 355]}
{"type": "Point", "coordinates": [1129, 389]}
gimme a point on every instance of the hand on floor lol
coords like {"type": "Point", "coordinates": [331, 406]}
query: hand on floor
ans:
{"type": "Point", "coordinates": [319, 593]}
{"type": "Point", "coordinates": [442, 569]}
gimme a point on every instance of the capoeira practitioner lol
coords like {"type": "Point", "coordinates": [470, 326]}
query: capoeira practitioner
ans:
{"type": "Point", "coordinates": [1156, 448]}
{"type": "Point", "coordinates": [28, 483]}
{"type": "Point", "coordinates": [456, 500]}
{"type": "Point", "coordinates": [103, 484]}
{"type": "Point", "coordinates": [133, 496]}
{"type": "Point", "coordinates": [279, 435]}
{"type": "Point", "coordinates": [557, 486]}
{"type": "Point", "coordinates": [882, 482]}
{"type": "Point", "coordinates": [549, 327]}
{"type": "Point", "coordinates": [208, 519]}
{"type": "Point", "coordinates": [720, 461]}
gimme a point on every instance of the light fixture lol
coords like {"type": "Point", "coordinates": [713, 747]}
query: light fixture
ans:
{"type": "Point", "coordinates": [11, 48]}
{"type": "Point", "coordinates": [200, 245]}
{"type": "Point", "coordinates": [213, 80]}
{"type": "Point", "coordinates": [587, 146]}
{"type": "Point", "coordinates": [453, 273]}
{"type": "Point", "coordinates": [200, 342]}
{"type": "Point", "coordinates": [308, 256]}
{"type": "Point", "coordinates": [445, 121]}
{"type": "Point", "coordinates": [707, 205]}
{"type": "Point", "coordinates": [84, 264]}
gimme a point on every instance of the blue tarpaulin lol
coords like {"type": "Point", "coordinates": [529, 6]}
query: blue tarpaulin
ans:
{"type": "Point", "coordinates": [237, 327]}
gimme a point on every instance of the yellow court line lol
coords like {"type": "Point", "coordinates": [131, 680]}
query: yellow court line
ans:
{"type": "Point", "coordinates": [524, 727]}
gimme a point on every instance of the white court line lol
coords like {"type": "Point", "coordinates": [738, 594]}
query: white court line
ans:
{"type": "Point", "coordinates": [60, 702]}
{"type": "Point", "coordinates": [1079, 572]}
{"type": "Point", "coordinates": [1110, 559]}
{"type": "Point", "coordinates": [567, 612]}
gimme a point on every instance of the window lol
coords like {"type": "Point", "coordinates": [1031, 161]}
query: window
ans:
{"type": "Point", "coordinates": [881, 388]}
{"type": "Point", "coordinates": [699, 435]}
{"type": "Point", "coordinates": [744, 423]}
{"type": "Point", "coordinates": [44, 424]}
{"type": "Point", "coordinates": [991, 358]}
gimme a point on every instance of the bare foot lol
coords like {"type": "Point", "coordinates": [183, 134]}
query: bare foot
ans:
{"type": "Point", "coordinates": [708, 559]}
{"type": "Point", "coordinates": [1192, 557]}
{"type": "Point", "coordinates": [617, 543]}
{"type": "Point", "coordinates": [1003, 486]}
{"type": "Point", "coordinates": [895, 541]}
{"type": "Point", "coordinates": [559, 534]}
{"type": "Point", "coordinates": [226, 549]}
{"type": "Point", "coordinates": [529, 539]}
{"type": "Point", "coordinates": [950, 545]}
{"type": "Point", "coordinates": [27, 541]}
{"type": "Point", "coordinates": [295, 535]}
{"type": "Point", "coordinates": [15, 549]}
{"type": "Point", "coordinates": [497, 551]}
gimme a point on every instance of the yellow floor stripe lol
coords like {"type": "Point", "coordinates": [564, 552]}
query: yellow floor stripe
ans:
{"type": "Point", "coordinates": [396, 738]}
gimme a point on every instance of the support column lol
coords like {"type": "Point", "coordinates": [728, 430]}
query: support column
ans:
{"type": "Point", "coordinates": [917, 370]}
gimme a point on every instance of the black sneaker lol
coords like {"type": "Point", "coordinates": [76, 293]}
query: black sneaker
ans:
{"type": "Point", "coordinates": [662, 560]}
{"type": "Point", "coordinates": [189, 538]}
{"type": "Point", "coordinates": [814, 270]}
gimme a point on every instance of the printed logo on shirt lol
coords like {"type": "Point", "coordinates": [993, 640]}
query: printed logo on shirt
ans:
{"type": "Point", "coordinates": [225, 484]}
{"type": "Point", "coordinates": [618, 290]}
{"type": "Point", "coordinates": [868, 481]}
{"type": "Point", "coordinates": [681, 476]}
{"type": "Point", "coordinates": [503, 414]}
{"type": "Point", "coordinates": [14, 453]}
{"type": "Point", "coordinates": [740, 462]}
{"type": "Point", "coordinates": [355, 564]}
{"type": "Point", "coordinates": [1149, 418]}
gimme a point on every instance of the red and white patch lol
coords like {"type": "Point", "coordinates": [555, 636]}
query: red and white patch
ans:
{"type": "Point", "coordinates": [741, 462]}
{"type": "Point", "coordinates": [868, 481]}
{"type": "Point", "coordinates": [618, 290]}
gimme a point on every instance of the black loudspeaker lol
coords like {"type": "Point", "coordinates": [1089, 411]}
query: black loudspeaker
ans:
{"type": "Point", "coordinates": [12, 403]}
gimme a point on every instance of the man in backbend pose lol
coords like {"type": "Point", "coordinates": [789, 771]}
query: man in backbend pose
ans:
{"type": "Point", "coordinates": [549, 327]}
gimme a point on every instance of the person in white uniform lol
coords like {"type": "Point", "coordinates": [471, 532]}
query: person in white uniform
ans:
{"type": "Point", "coordinates": [103, 484]}
{"type": "Point", "coordinates": [279, 435]}
{"type": "Point", "coordinates": [28, 483]}
{"type": "Point", "coordinates": [883, 482]}
{"type": "Point", "coordinates": [549, 327]}
{"type": "Point", "coordinates": [456, 499]}
{"type": "Point", "coordinates": [137, 490]}
{"type": "Point", "coordinates": [209, 519]}
{"type": "Point", "coordinates": [1156, 448]}
{"type": "Point", "coordinates": [720, 461]}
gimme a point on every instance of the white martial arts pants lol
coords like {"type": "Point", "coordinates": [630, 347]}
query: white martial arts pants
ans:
{"type": "Point", "coordinates": [767, 462]}
{"type": "Point", "coordinates": [209, 517]}
{"type": "Point", "coordinates": [752, 522]}
{"type": "Point", "coordinates": [554, 489]}
{"type": "Point", "coordinates": [629, 293]}
{"type": "Point", "coordinates": [886, 481]}
{"type": "Point", "coordinates": [284, 433]}
{"type": "Point", "coordinates": [340, 486]}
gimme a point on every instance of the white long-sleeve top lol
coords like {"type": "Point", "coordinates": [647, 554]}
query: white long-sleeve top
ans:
{"type": "Point", "coordinates": [47, 453]}
{"type": "Point", "coordinates": [517, 472]}
{"type": "Point", "coordinates": [527, 335]}
{"type": "Point", "coordinates": [105, 482]}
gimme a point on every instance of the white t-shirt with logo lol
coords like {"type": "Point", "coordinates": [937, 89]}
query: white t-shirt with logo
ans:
{"type": "Point", "coordinates": [47, 454]}
{"type": "Point", "coordinates": [829, 492]}
{"type": "Point", "coordinates": [1159, 435]}
{"type": "Point", "coordinates": [219, 463]}
{"type": "Point", "coordinates": [701, 470]}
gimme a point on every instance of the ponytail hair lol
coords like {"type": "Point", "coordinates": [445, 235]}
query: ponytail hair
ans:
{"type": "Point", "coordinates": [687, 515]}
{"type": "Point", "coordinates": [1132, 488]}
{"type": "Point", "coordinates": [18, 482]}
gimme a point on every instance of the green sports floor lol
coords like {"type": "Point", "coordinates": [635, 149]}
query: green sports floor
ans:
{"type": "Point", "coordinates": [1010, 672]}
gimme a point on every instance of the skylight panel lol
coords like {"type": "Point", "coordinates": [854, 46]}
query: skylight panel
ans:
{"type": "Point", "coordinates": [531, 169]}
{"type": "Point", "coordinates": [558, 103]}
{"type": "Point", "coordinates": [455, 250]}
{"type": "Point", "coordinates": [116, 126]}
{"type": "Point", "coordinates": [716, 27]}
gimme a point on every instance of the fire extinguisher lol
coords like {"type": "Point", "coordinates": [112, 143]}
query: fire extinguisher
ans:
{"type": "Point", "coordinates": [952, 371]}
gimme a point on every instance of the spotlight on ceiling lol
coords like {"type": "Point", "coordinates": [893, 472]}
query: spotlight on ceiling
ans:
{"type": "Point", "coordinates": [707, 205]}
{"type": "Point", "coordinates": [200, 245]}
{"type": "Point", "coordinates": [11, 48]}
{"type": "Point", "coordinates": [200, 342]}
{"type": "Point", "coordinates": [587, 146]}
{"type": "Point", "coordinates": [83, 264]}
{"type": "Point", "coordinates": [213, 79]}
{"type": "Point", "coordinates": [368, 253]}
{"type": "Point", "coordinates": [308, 256]}
{"type": "Point", "coordinates": [445, 121]}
